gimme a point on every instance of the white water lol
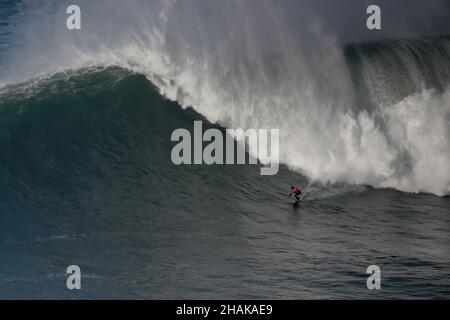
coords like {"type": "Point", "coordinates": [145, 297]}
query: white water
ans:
{"type": "Point", "coordinates": [216, 59]}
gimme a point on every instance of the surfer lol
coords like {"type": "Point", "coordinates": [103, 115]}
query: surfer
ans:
{"type": "Point", "coordinates": [296, 192]}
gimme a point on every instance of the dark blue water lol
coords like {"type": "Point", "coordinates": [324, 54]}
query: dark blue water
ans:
{"type": "Point", "coordinates": [86, 179]}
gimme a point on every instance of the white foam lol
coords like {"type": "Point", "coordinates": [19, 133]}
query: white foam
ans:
{"type": "Point", "coordinates": [306, 92]}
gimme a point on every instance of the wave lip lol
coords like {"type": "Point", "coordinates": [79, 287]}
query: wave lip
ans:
{"type": "Point", "coordinates": [373, 114]}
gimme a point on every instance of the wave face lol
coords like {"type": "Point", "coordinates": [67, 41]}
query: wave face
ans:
{"type": "Point", "coordinates": [364, 114]}
{"type": "Point", "coordinates": [86, 178]}
{"type": "Point", "coordinates": [402, 90]}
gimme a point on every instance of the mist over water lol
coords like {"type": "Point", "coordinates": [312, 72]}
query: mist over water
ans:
{"type": "Point", "coordinates": [380, 119]}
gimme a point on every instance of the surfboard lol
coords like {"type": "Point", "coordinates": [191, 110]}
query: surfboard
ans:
{"type": "Point", "coordinates": [296, 203]}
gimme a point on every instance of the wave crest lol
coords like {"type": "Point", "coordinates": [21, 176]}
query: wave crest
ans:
{"type": "Point", "coordinates": [330, 129]}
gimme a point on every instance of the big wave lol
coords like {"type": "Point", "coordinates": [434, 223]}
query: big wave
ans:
{"type": "Point", "coordinates": [375, 115]}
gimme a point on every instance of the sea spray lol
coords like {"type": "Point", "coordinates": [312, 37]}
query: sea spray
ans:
{"type": "Point", "coordinates": [330, 129]}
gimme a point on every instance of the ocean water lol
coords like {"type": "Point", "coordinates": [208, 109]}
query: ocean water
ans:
{"type": "Point", "coordinates": [87, 180]}
{"type": "Point", "coordinates": [86, 176]}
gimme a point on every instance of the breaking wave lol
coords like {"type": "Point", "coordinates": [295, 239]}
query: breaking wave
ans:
{"type": "Point", "coordinates": [375, 114]}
